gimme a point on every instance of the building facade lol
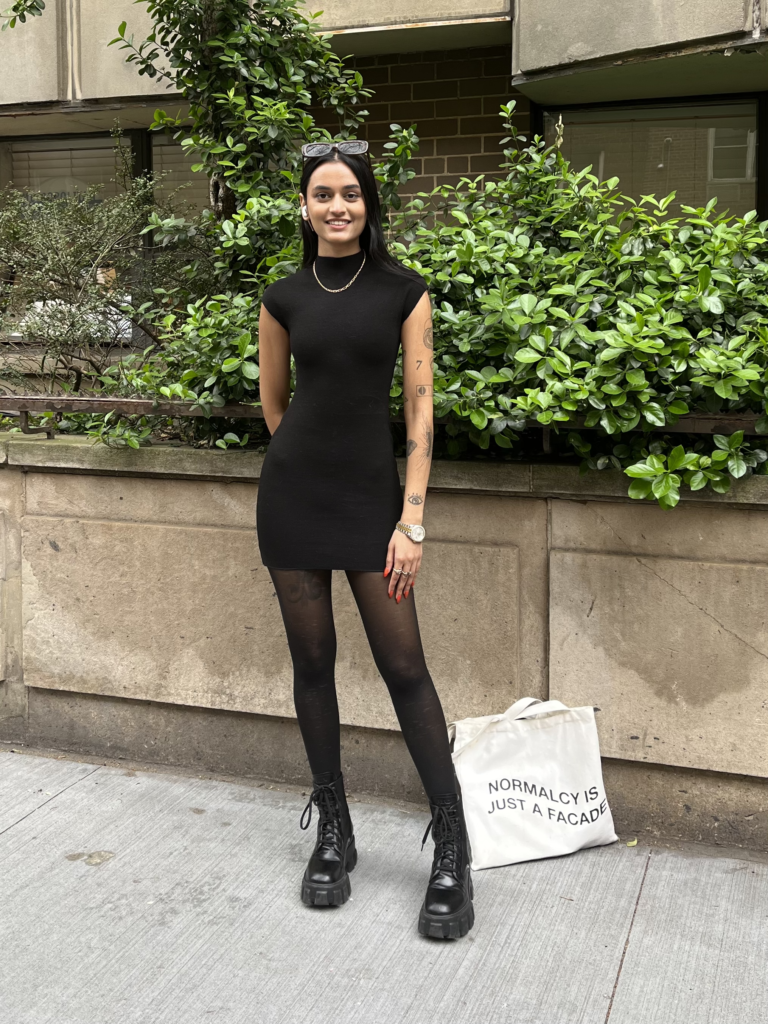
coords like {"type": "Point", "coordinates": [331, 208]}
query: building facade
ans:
{"type": "Point", "coordinates": [663, 95]}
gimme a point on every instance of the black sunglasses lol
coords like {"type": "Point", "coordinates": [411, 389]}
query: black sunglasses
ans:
{"type": "Point", "coordinates": [351, 147]}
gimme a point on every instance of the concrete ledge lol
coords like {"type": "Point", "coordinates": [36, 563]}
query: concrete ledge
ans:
{"type": "Point", "coordinates": [374, 761]}
{"type": "Point", "coordinates": [78, 454]}
{"type": "Point", "coordinates": [650, 800]}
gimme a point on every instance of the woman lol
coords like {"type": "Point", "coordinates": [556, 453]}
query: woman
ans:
{"type": "Point", "coordinates": [330, 498]}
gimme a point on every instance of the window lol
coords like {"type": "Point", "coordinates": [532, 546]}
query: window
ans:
{"type": "Point", "coordinates": [698, 150]}
{"type": "Point", "coordinates": [732, 154]}
{"type": "Point", "coordinates": [69, 165]}
{"type": "Point", "coordinates": [170, 159]}
{"type": "Point", "coordinates": [62, 166]}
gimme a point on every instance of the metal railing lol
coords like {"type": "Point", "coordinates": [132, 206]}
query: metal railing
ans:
{"type": "Point", "coordinates": [23, 405]}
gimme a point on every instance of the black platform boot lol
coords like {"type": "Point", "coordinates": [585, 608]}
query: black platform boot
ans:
{"type": "Point", "coordinates": [326, 880]}
{"type": "Point", "coordinates": [447, 911]}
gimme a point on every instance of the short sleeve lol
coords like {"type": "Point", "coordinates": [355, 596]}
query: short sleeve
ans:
{"type": "Point", "coordinates": [414, 290]}
{"type": "Point", "coordinates": [271, 299]}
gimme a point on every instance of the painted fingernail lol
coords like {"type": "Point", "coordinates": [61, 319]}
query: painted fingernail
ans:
{"type": "Point", "coordinates": [398, 599]}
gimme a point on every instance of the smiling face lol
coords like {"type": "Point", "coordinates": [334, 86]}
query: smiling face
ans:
{"type": "Point", "coordinates": [336, 209]}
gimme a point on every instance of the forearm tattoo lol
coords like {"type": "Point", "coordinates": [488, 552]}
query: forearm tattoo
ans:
{"type": "Point", "coordinates": [428, 442]}
{"type": "Point", "coordinates": [415, 499]}
{"type": "Point", "coordinates": [410, 447]}
{"type": "Point", "coordinates": [424, 389]}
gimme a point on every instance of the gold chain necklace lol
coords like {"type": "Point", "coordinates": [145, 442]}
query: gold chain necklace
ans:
{"type": "Point", "coordinates": [314, 271]}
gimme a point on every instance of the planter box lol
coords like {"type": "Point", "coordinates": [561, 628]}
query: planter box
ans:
{"type": "Point", "coordinates": [138, 621]}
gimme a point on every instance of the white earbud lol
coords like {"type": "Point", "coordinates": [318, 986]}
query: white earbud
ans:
{"type": "Point", "coordinates": [305, 213]}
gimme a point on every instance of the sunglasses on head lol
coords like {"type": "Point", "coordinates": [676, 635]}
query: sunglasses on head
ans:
{"type": "Point", "coordinates": [351, 147]}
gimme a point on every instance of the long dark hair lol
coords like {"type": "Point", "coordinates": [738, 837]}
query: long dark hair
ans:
{"type": "Point", "coordinates": [372, 237]}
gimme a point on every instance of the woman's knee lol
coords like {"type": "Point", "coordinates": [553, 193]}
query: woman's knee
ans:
{"type": "Point", "coordinates": [314, 664]}
{"type": "Point", "coordinates": [405, 677]}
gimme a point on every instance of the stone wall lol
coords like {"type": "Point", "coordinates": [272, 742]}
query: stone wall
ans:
{"type": "Point", "coordinates": [138, 621]}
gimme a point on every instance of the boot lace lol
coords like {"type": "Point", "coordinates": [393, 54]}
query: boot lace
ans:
{"type": "Point", "coordinates": [329, 814]}
{"type": "Point", "coordinates": [445, 827]}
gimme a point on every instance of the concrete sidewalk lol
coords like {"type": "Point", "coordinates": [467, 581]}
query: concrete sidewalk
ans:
{"type": "Point", "coordinates": [143, 897]}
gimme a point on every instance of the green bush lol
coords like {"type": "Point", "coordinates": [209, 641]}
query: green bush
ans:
{"type": "Point", "coordinates": [557, 296]}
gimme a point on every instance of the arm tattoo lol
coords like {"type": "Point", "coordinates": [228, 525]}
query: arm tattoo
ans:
{"type": "Point", "coordinates": [410, 447]}
{"type": "Point", "coordinates": [428, 335]}
{"type": "Point", "coordinates": [428, 441]}
{"type": "Point", "coordinates": [415, 499]}
{"type": "Point", "coordinates": [418, 363]}
{"type": "Point", "coordinates": [424, 389]}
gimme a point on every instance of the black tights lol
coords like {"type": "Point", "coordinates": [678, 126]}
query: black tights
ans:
{"type": "Point", "coordinates": [393, 633]}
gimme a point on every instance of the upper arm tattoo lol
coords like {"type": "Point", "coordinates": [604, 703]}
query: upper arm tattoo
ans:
{"type": "Point", "coordinates": [428, 335]}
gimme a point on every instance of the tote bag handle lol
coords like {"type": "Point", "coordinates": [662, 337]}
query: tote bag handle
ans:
{"type": "Point", "coordinates": [537, 709]}
{"type": "Point", "coordinates": [511, 713]}
{"type": "Point", "coordinates": [526, 707]}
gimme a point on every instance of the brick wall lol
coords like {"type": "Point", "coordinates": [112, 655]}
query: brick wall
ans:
{"type": "Point", "coordinates": [453, 99]}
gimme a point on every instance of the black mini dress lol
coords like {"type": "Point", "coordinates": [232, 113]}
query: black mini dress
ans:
{"type": "Point", "coordinates": [329, 494]}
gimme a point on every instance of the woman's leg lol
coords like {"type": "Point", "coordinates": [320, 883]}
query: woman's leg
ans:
{"type": "Point", "coordinates": [393, 633]}
{"type": "Point", "coordinates": [305, 602]}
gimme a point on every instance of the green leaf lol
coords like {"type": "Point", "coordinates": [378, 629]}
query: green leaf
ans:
{"type": "Point", "coordinates": [678, 408]}
{"type": "Point", "coordinates": [737, 466]}
{"type": "Point", "coordinates": [639, 489]}
{"type": "Point", "coordinates": [719, 482]}
{"type": "Point", "coordinates": [527, 303]}
{"type": "Point", "coordinates": [479, 418]}
{"type": "Point", "coordinates": [641, 470]}
{"type": "Point", "coordinates": [705, 277]}
{"type": "Point", "coordinates": [527, 355]}
{"type": "Point", "coordinates": [670, 499]}
{"type": "Point", "coordinates": [654, 414]}
{"type": "Point", "coordinates": [696, 481]}
{"type": "Point", "coordinates": [676, 458]}
{"type": "Point", "coordinates": [662, 485]}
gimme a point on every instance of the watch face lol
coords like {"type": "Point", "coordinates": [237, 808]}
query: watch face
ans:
{"type": "Point", "coordinates": [417, 532]}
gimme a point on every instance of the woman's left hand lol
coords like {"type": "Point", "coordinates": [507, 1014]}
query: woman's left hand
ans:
{"type": "Point", "coordinates": [403, 562]}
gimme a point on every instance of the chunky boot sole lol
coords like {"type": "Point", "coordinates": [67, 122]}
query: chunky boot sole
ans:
{"type": "Point", "coordinates": [448, 926]}
{"type": "Point", "coordinates": [330, 894]}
